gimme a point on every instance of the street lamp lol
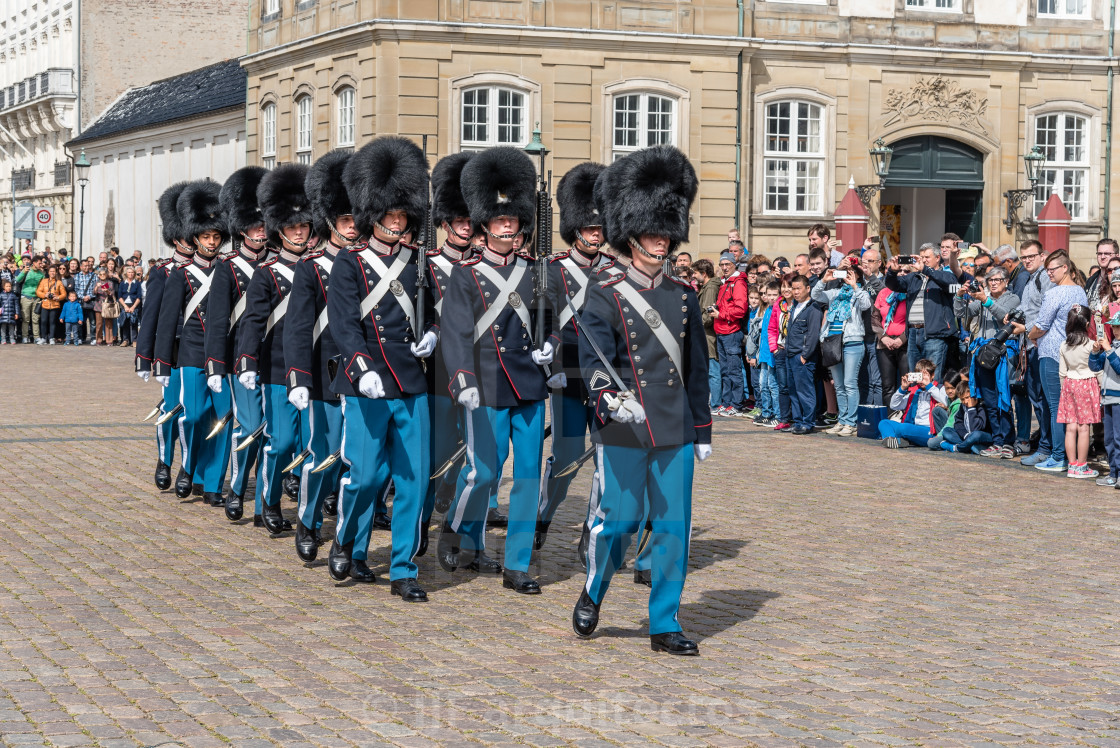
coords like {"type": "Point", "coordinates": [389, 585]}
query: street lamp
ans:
{"type": "Point", "coordinates": [81, 166]}
{"type": "Point", "coordinates": [881, 160]}
{"type": "Point", "coordinates": [1033, 164]}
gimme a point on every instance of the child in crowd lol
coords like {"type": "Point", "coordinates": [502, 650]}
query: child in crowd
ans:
{"type": "Point", "coordinates": [914, 402]}
{"type": "Point", "coordinates": [763, 358]}
{"type": "Point", "coordinates": [9, 314]}
{"type": "Point", "coordinates": [72, 318]}
{"type": "Point", "coordinates": [1080, 404]}
{"type": "Point", "coordinates": [750, 371]}
{"type": "Point", "coordinates": [776, 338]}
{"type": "Point", "coordinates": [1107, 358]}
{"type": "Point", "coordinates": [965, 428]}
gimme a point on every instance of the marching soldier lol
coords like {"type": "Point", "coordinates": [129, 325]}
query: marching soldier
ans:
{"type": "Point", "coordinates": [644, 357]}
{"type": "Point", "coordinates": [572, 274]}
{"type": "Point", "coordinates": [166, 433]}
{"type": "Point", "coordinates": [373, 306]}
{"type": "Point", "coordinates": [451, 215]}
{"type": "Point", "coordinates": [185, 298]}
{"type": "Point", "coordinates": [226, 308]}
{"type": "Point", "coordinates": [496, 370]}
{"type": "Point", "coordinates": [260, 341]}
{"type": "Point", "coordinates": [309, 345]}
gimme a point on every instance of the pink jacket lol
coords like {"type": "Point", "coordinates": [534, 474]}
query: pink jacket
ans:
{"type": "Point", "coordinates": [895, 327]}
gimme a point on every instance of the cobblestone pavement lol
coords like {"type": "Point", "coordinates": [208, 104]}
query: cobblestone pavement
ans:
{"type": "Point", "coordinates": [841, 594]}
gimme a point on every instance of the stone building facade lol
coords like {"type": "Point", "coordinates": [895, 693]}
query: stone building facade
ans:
{"type": "Point", "coordinates": [775, 103]}
{"type": "Point", "coordinates": [63, 62]}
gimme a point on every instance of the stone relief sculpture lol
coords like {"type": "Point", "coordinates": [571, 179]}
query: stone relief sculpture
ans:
{"type": "Point", "coordinates": [938, 99]}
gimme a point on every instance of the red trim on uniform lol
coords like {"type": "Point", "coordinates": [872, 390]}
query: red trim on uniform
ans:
{"type": "Point", "coordinates": [633, 366]}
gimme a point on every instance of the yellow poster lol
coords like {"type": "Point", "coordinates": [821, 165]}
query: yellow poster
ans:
{"type": "Point", "coordinates": [890, 230]}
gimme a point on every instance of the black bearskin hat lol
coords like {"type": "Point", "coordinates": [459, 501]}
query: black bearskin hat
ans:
{"type": "Point", "coordinates": [575, 196]}
{"type": "Point", "coordinates": [500, 182]}
{"type": "Point", "coordinates": [200, 209]}
{"type": "Point", "coordinates": [239, 199]}
{"type": "Point", "coordinates": [447, 195]}
{"type": "Point", "coordinates": [169, 213]}
{"type": "Point", "coordinates": [326, 191]}
{"type": "Point", "coordinates": [283, 200]}
{"type": "Point", "coordinates": [389, 173]}
{"type": "Point", "coordinates": [647, 192]}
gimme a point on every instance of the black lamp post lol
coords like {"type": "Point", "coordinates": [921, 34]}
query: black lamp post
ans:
{"type": "Point", "coordinates": [81, 166]}
{"type": "Point", "coordinates": [881, 160]}
{"type": "Point", "coordinates": [1033, 164]}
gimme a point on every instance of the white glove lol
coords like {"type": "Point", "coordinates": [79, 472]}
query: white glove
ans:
{"type": "Point", "coordinates": [145, 375]}
{"type": "Point", "coordinates": [426, 346]}
{"type": "Point", "coordinates": [703, 451]}
{"type": "Point", "coordinates": [558, 381]}
{"type": "Point", "coordinates": [626, 409]}
{"type": "Point", "coordinates": [300, 397]}
{"type": "Point", "coordinates": [248, 380]}
{"type": "Point", "coordinates": [370, 385]}
{"type": "Point", "coordinates": [163, 380]}
{"type": "Point", "coordinates": [544, 355]}
{"type": "Point", "coordinates": [214, 382]}
{"type": "Point", "coordinates": [468, 398]}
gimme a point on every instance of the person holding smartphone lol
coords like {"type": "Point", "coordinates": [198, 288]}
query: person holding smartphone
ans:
{"type": "Point", "coordinates": [914, 402]}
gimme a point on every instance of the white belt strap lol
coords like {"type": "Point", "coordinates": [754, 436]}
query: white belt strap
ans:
{"type": "Point", "coordinates": [239, 307]}
{"type": "Point", "coordinates": [505, 288]}
{"type": "Point", "coordinates": [660, 330]}
{"type": "Point", "coordinates": [582, 280]}
{"type": "Point", "coordinates": [321, 321]}
{"type": "Point", "coordinates": [203, 290]}
{"type": "Point", "coordinates": [281, 308]}
{"type": "Point", "coordinates": [387, 275]}
{"type": "Point", "coordinates": [445, 266]}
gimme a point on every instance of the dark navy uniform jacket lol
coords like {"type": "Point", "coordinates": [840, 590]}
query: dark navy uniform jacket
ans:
{"type": "Point", "coordinates": [487, 330]}
{"type": "Point", "coordinates": [651, 332]}
{"type": "Point", "coordinates": [260, 341]}
{"type": "Point", "coordinates": [149, 313]}
{"type": "Point", "coordinates": [185, 298]}
{"type": "Point", "coordinates": [380, 338]}
{"type": "Point", "coordinates": [440, 264]}
{"type": "Point", "coordinates": [308, 342]}
{"type": "Point", "coordinates": [571, 275]}
{"type": "Point", "coordinates": [227, 290]}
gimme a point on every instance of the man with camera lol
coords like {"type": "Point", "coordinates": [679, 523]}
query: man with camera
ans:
{"type": "Point", "coordinates": [1038, 283]}
{"type": "Point", "coordinates": [929, 291]}
{"type": "Point", "coordinates": [915, 401]}
{"type": "Point", "coordinates": [990, 307]}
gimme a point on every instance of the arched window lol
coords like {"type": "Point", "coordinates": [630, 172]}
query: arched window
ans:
{"type": "Point", "coordinates": [345, 135]}
{"type": "Point", "coordinates": [303, 130]}
{"type": "Point", "coordinates": [793, 157]}
{"type": "Point", "coordinates": [268, 136]}
{"type": "Point", "coordinates": [1063, 138]}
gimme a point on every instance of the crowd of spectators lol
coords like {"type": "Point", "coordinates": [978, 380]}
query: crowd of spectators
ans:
{"type": "Point", "coordinates": [50, 299]}
{"type": "Point", "coordinates": [1007, 354]}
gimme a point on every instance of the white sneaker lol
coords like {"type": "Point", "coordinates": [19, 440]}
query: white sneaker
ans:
{"type": "Point", "coordinates": [847, 431]}
{"type": "Point", "coordinates": [835, 429]}
{"type": "Point", "coordinates": [52, 341]}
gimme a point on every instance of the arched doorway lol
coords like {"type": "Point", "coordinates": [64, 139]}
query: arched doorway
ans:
{"type": "Point", "coordinates": [937, 185]}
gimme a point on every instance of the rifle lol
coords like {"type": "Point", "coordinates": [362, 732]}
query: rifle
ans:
{"type": "Point", "coordinates": [544, 248]}
{"type": "Point", "coordinates": [427, 241]}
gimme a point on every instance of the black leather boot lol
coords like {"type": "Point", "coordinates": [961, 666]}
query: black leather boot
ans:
{"type": "Point", "coordinates": [643, 577]}
{"type": "Point", "coordinates": [381, 521]}
{"type": "Point", "coordinates": [330, 505]}
{"type": "Point", "coordinates": [409, 590]}
{"type": "Point", "coordinates": [163, 476]}
{"type": "Point", "coordinates": [214, 499]}
{"type": "Point", "coordinates": [520, 582]}
{"type": "Point", "coordinates": [338, 561]}
{"type": "Point", "coordinates": [484, 565]}
{"type": "Point", "coordinates": [674, 642]}
{"type": "Point", "coordinates": [235, 507]}
{"type": "Point", "coordinates": [291, 486]}
{"type": "Point", "coordinates": [584, 542]}
{"type": "Point", "coordinates": [540, 535]}
{"type": "Point", "coordinates": [274, 521]}
{"type": "Point", "coordinates": [423, 547]}
{"type": "Point", "coordinates": [183, 484]}
{"type": "Point", "coordinates": [585, 616]}
{"type": "Point", "coordinates": [307, 543]}
{"type": "Point", "coordinates": [360, 572]}
{"type": "Point", "coordinates": [447, 548]}
{"type": "Point", "coordinates": [494, 518]}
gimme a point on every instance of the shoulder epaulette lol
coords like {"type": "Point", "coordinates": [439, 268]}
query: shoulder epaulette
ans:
{"type": "Point", "coordinates": [610, 278]}
{"type": "Point", "coordinates": [471, 261]}
{"type": "Point", "coordinates": [312, 254]}
{"type": "Point", "coordinates": [525, 256]}
{"type": "Point", "coordinates": [267, 263]}
{"type": "Point", "coordinates": [678, 281]}
{"type": "Point", "coordinates": [358, 247]}
{"type": "Point", "coordinates": [433, 252]}
{"type": "Point", "coordinates": [559, 256]}
{"type": "Point", "coordinates": [228, 255]}
{"type": "Point", "coordinates": [163, 263]}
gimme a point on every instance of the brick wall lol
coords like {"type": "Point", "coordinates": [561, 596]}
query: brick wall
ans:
{"type": "Point", "coordinates": [134, 42]}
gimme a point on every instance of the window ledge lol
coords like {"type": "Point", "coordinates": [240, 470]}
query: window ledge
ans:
{"type": "Point", "coordinates": [782, 221]}
{"type": "Point", "coordinates": [1076, 227]}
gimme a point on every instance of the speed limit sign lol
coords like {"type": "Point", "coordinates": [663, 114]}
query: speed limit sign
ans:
{"type": "Point", "coordinates": [44, 219]}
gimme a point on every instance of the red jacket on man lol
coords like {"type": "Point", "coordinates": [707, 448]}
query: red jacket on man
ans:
{"type": "Point", "coordinates": [732, 304]}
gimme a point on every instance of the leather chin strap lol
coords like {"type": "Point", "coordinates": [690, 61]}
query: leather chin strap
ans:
{"type": "Point", "coordinates": [503, 237]}
{"type": "Point", "coordinates": [639, 248]}
{"type": "Point", "coordinates": [390, 232]}
{"type": "Point", "coordinates": [340, 235]}
{"type": "Point", "coordinates": [465, 242]}
{"type": "Point", "coordinates": [593, 247]}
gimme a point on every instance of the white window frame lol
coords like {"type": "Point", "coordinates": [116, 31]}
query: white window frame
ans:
{"type": "Point", "coordinates": [930, 6]}
{"type": "Point", "coordinates": [801, 167]}
{"type": "Point", "coordinates": [641, 128]}
{"type": "Point", "coordinates": [827, 105]}
{"type": "Point", "coordinates": [643, 87]}
{"type": "Point", "coordinates": [346, 111]}
{"type": "Point", "coordinates": [530, 89]}
{"type": "Point", "coordinates": [1085, 14]}
{"type": "Point", "coordinates": [1089, 164]}
{"type": "Point", "coordinates": [268, 135]}
{"type": "Point", "coordinates": [271, 7]}
{"type": "Point", "coordinates": [304, 114]}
